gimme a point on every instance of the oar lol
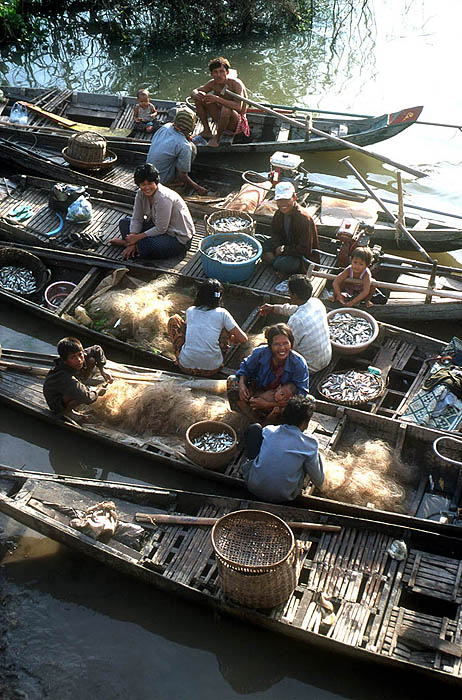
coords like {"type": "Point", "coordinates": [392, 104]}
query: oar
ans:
{"type": "Point", "coordinates": [316, 110]}
{"type": "Point", "coordinates": [387, 211]}
{"type": "Point", "coordinates": [336, 139]}
{"type": "Point", "coordinates": [162, 519]}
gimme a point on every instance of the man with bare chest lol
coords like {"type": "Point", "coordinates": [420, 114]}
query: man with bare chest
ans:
{"type": "Point", "coordinates": [228, 114]}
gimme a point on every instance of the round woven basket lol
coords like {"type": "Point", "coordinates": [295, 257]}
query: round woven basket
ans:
{"type": "Point", "coordinates": [257, 559]}
{"type": "Point", "coordinates": [88, 150]}
{"type": "Point", "coordinates": [13, 257]}
{"type": "Point", "coordinates": [248, 227]}
{"type": "Point", "coordinates": [353, 402]}
{"type": "Point", "coordinates": [209, 460]}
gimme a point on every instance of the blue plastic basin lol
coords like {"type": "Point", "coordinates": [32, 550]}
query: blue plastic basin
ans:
{"type": "Point", "coordinates": [228, 271]}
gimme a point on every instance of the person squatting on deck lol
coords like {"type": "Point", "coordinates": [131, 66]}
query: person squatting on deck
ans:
{"type": "Point", "coordinates": [268, 367]}
{"type": "Point", "coordinates": [294, 235]}
{"type": "Point", "coordinates": [201, 342]}
{"type": "Point", "coordinates": [172, 152]}
{"type": "Point", "coordinates": [308, 322]}
{"type": "Point", "coordinates": [65, 386]}
{"type": "Point", "coordinates": [353, 294]}
{"type": "Point", "coordinates": [210, 99]}
{"type": "Point", "coordinates": [282, 459]}
{"type": "Point", "coordinates": [161, 225]}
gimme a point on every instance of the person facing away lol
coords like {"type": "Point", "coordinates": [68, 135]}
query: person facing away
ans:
{"type": "Point", "coordinates": [144, 112]}
{"type": "Point", "coordinates": [172, 152]}
{"type": "Point", "coordinates": [349, 294]}
{"type": "Point", "coordinates": [200, 343]}
{"type": "Point", "coordinates": [228, 113]}
{"type": "Point", "coordinates": [282, 458]}
{"type": "Point", "coordinates": [294, 235]}
{"type": "Point", "coordinates": [161, 225]}
{"type": "Point", "coordinates": [65, 386]}
{"type": "Point", "coordinates": [308, 321]}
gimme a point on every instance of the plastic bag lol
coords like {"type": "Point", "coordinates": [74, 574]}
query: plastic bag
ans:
{"type": "Point", "coordinates": [80, 211]}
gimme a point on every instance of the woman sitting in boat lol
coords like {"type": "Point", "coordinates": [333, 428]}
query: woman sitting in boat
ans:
{"type": "Point", "coordinates": [282, 458]}
{"type": "Point", "coordinates": [268, 367]}
{"type": "Point", "coordinates": [65, 386]}
{"type": "Point", "coordinates": [161, 225]}
{"type": "Point", "coordinates": [200, 343]}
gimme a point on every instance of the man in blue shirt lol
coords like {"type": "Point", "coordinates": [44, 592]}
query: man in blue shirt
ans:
{"type": "Point", "coordinates": [282, 458]}
{"type": "Point", "coordinates": [172, 151]}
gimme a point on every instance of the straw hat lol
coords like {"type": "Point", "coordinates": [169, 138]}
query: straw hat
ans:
{"type": "Point", "coordinates": [185, 121]}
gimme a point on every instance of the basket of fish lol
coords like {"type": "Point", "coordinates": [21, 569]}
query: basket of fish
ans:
{"type": "Point", "coordinates": [351, 330]}
{"type": "Point", "coordinates": [229, 221]}
{"type": "Point", "coordinates": [211, 444]}
{"type": "Point", "coordinates": [22, 273]}
{"type": "Point", "coordinates": [230, 257]}
{"type": "Point", "coordinates": [351, 387]}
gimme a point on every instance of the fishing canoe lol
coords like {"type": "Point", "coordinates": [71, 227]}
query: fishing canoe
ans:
{"type": "Point", "coordinates": [41, 154]}
{"type": "Point", "coordinates": [402, 614]}
{"type": "Point", "coordinates": [113, 115]}
{"type": "Point", "coordinates": [437, 486]}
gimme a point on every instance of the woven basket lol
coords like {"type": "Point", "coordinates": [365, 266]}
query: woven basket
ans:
{"type": "Point", "coordinates": [257, 558]}
{"type": "Point", "coordinates": [21, 258]}
{"type": "Point", "coordinates": [210, 220]}
{"type": "Point", "coordinates": [209, 460]}
{"type": "Point", "coordinates": [88, 150]}
{"type": "Point", "coordinates": [354, 402]}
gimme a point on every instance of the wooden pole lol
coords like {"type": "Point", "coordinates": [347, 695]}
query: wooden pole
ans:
{"type": "Point", "coordinates": [161, 519]}
{"type": "Point", "coordinates": [336, 139]}
{"type": "Point", "coordinates": [387, 211]}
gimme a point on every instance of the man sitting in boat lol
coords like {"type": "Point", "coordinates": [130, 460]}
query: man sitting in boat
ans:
{"type": "Point", "coordinates": [65, 387]}
{"type": "Point", "coordinates": [308, 322]}
{"type": "Point", "coordinates": [172, 152]}
{"type": "Point", "coordinates": [161, 225]}
{"type": "Point", "coordinates": [228, 113]}
{"type": "Point", "coordinates": [282, 458]}
{"type": "Point", "coordinates": [293, 234]}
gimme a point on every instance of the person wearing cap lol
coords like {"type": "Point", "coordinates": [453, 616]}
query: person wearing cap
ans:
{"type": "Point", "coordinates": [293, 234]}
{"type": "Point", "coordinates": [161, 225]}
{"type": "Point", "coordinates": [173, 152]}
{"type": "Point", "coordinates": [211, 100]}
{"type": "Point", "coordinates": [282, 458]}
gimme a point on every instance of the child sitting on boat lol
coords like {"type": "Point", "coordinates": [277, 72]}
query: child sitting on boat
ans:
{"type": "Point", "coordinates": [65, 387]}
{"type": "Point", "coordinates": [350, 294]}
{"type": "Point", "coordinates": [279, 396]}
{"type": "Point", "coordinates": [144, 113]}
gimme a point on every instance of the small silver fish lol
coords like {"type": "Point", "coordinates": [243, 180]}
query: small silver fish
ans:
{"type": "Point", "coordinates": [213, 442]}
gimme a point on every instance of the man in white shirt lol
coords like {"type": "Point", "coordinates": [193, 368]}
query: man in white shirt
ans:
{"type": "Point", "coordinates": [308, 321]}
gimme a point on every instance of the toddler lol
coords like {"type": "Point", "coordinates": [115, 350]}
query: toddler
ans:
{"type": "Point", "coordinates": [353, 294]}
{"type": "Point", "coordinates": [144, 112]}
{"type": "Point", "coordinates": [280, 396]}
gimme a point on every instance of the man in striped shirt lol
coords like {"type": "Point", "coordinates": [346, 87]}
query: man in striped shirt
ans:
{"type": "Point", "coordinates": [308, 322]}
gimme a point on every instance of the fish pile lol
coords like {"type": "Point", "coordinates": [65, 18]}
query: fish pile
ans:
{"type": "Point", "coordinates": [230, 224]}
{"type": "Point", "coordinates": [347, 329]}
{"type": "Point", "coordinates": [231, 252]}
{"type": "Point", "coordinates": [351, 386]}
{"type": "Point", "coordinates": [213, 442]}
{"type": "Point", "coordinates": [20, 280]}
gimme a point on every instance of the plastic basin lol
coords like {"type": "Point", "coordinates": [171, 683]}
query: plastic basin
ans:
{"type": "Point", "coordinates": [56, 293]}
{"type": "Point", "coordinates": [229, 271]}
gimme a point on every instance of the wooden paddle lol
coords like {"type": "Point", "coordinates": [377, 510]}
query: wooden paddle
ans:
{"type": "Point", "coordinates": [75, 126]}
{"type": "Point", "coordinates": [336, 139]}
{"type": "Point", "coordinates": [162, 519]}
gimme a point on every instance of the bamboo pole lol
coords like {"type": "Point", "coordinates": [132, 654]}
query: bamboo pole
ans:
{"type": "Point", "coordinates": [387, 211]}
{"type": "Point", "coordinates": [161, 519]}
{"type": "Point", "coordinates": [336, 139]}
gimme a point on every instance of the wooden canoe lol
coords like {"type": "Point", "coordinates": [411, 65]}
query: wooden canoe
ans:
{"type": "Point", "coordinates": [337, 429]}
{"type": "Point", "coordinates": [402, 614]}
{"type": "Point", "coordinates": [113, 115]}
{"type": "Point", "coordinates": [41, 154]}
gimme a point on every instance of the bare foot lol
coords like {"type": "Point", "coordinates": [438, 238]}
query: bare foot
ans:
{"type": "Point", "coordinates": [117, 241]}
{"type": "Point", "coordinates": [149, 129]}
{"type": "Point", "coordinates": [369, 304]}
{"type": "Point", "coordinates": [213, 142]}
{"type": "Point", "coordinates": [205, 134]}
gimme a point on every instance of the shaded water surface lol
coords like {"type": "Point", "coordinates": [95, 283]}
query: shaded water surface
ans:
{"type": "Point", "coordinates": [77, 630]}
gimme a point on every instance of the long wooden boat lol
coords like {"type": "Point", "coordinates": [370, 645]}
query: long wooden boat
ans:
{"type": "Point", "coordinates": [41, 154]}
{"type": "Point", "coordinates": [436, 488]}
{"type": "Point", "coordinates": [80, 110]}
{"type": "Point", "coordinates": [402, 614]}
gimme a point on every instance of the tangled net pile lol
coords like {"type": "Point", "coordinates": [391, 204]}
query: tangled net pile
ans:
{"type": "Point", "coordinates": [370, 473]}
{"type": "Point", "coordinates": [161, 408]}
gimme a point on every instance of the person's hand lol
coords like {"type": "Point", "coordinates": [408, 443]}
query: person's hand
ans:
{"type": "Point", "coordinates": [258, 403]}
{"type": "Point", "coordinates": [265, 309]}
{"type": "Point", "coordinates": [244, 393]}
{"type": "Point", "coordinates": [138, 119]}
{"type": "Point", "coordinates": [129, 252]}
{"type": "Point", "coordinates": [279, 251]}
{"type": "Point", "coordinates": [209, 98]}
{"type": "Point", "coordinates": [107, 376]}
{"type": "Point", "coordinates": [132, 239]}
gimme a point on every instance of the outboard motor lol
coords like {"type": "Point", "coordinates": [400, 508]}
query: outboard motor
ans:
{"type": "Point", "coordinates": [285, 166]}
